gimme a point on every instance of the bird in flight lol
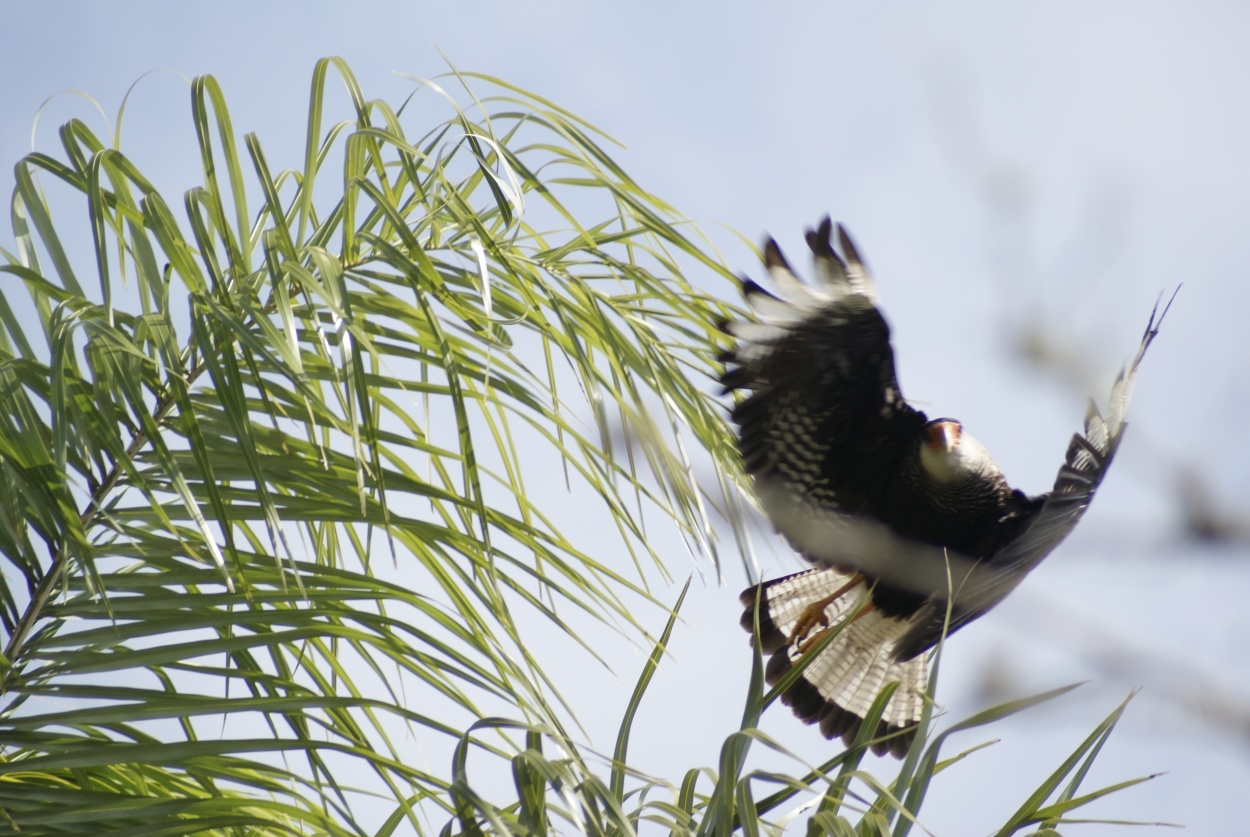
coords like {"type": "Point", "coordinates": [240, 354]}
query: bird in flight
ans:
{"type": "Point", "coordinates": [911, 526]}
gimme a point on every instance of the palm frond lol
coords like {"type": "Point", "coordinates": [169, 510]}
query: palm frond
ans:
{"type": "Point", "coordinates": [267, 503]}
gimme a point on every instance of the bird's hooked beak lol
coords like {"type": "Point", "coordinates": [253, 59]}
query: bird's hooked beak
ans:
{"type": "Point", "coordinates": [943, 435]}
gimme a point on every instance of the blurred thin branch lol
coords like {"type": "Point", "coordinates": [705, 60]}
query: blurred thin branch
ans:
{"type": "Point", "coordinates": [1204, 696]}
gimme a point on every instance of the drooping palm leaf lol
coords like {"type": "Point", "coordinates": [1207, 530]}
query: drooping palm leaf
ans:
{"type": "Point", "coordinates": [267, 501]}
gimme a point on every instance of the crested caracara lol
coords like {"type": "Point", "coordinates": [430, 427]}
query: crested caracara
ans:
{"type": "Point", "coordinates": [905, 518]}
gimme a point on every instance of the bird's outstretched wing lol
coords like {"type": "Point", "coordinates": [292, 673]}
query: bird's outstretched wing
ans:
{"type": "Point", "coordinates": [824, 426]}
{"type": "Point", "coordinates": [1085, 464]}
{"type": "Point", "coordinates": [824, 417]}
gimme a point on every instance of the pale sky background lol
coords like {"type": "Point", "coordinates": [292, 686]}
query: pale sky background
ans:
{"type": "Point", "coordinates": [1002, 166]}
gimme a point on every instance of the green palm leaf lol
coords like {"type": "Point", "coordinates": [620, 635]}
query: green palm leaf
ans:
{"type": "Point", "coordinates": [267, 504]}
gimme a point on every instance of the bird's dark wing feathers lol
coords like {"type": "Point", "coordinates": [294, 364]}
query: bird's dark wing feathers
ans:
{"type": "Point", "coordinates": [824, 428]}
{"type": "Point", "coordinates": [1088, 457]}
{"type": "Point", "coordinates": [1083, 468]}
{"type": "Point", "coordinates": [824, 401]}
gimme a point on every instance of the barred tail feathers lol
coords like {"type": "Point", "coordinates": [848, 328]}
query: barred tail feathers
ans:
{"type": "Point", "coordinates": [837, 689]}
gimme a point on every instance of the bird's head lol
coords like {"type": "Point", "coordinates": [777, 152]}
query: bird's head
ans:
{"type": "Point", "coordinates": [950, 454]}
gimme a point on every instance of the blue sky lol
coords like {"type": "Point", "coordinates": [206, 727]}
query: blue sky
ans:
{"type": "Point", "coordinates": [1002, 166]}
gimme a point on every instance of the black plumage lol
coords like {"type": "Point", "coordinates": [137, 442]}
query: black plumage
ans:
{"type": "Point", "coordinates": [903, 517]}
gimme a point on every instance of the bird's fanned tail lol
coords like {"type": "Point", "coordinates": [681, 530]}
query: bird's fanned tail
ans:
{"type": "Point", "coordinates": [837, 689]}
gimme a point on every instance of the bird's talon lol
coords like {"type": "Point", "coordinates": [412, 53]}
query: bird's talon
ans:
{"type": "Point", "coordinates": [811, 642]}
{"type": "Point", "coordinates": [812, 615]}
{"type": "Point", "coordinates": [815, 614]}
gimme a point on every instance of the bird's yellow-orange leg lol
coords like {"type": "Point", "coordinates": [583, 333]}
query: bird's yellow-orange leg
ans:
{"type": "Point", "coordinates": [815, 612]}
{"type": "Point", "coordinates": [811, 642]}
